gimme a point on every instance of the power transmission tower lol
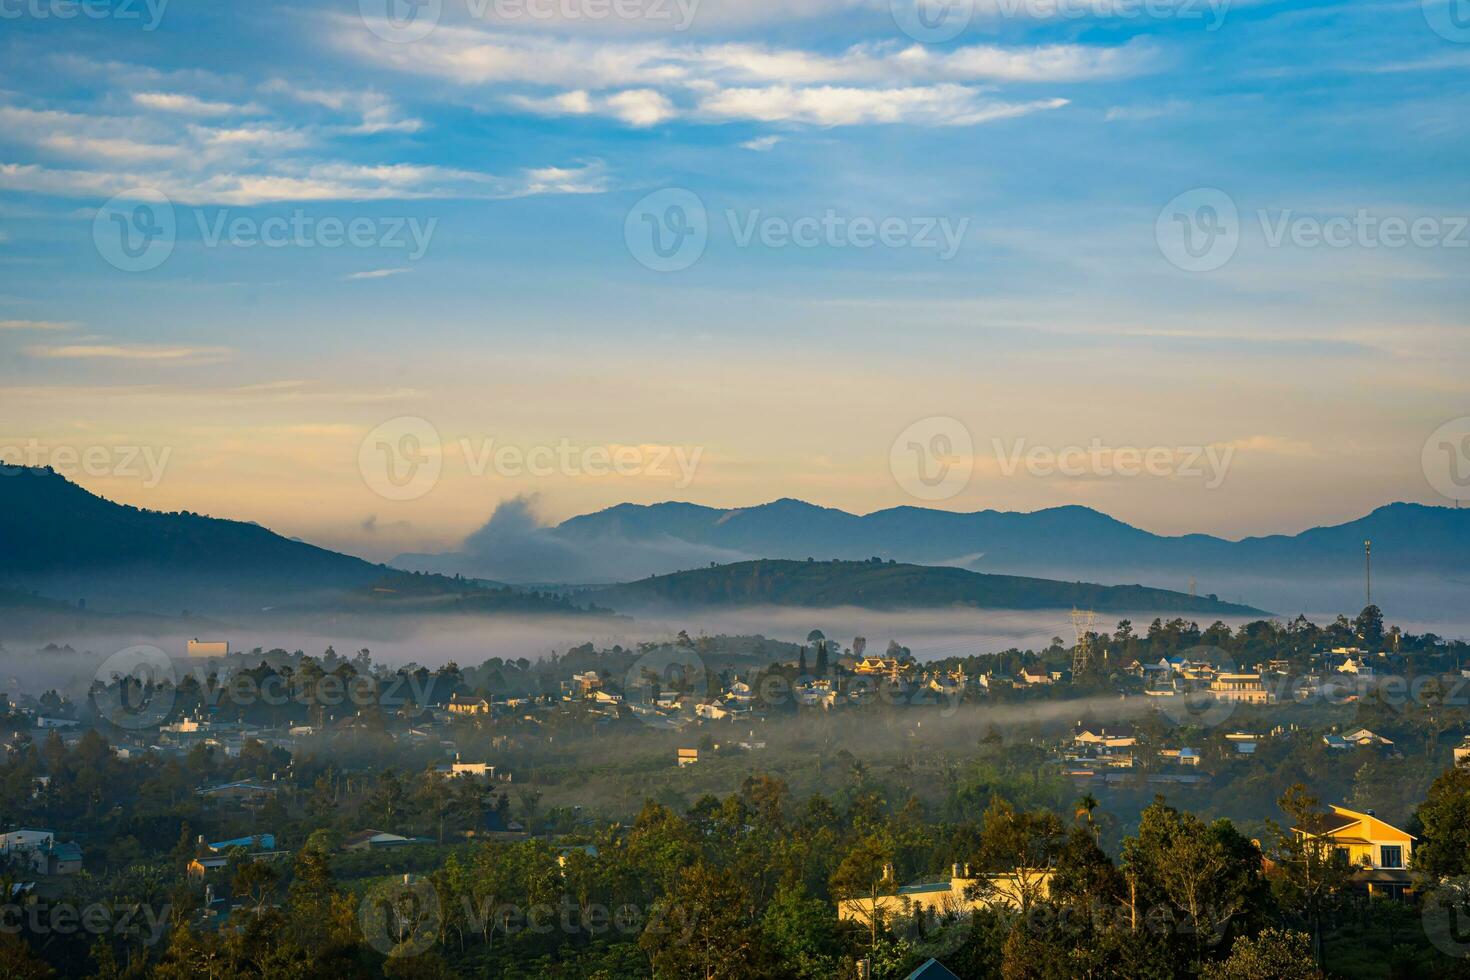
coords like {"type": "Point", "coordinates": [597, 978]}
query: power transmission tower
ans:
{"type": "Point", "coordinates": [1082, 625]}
{"type": "Point", "coordinates": [1193, 588]}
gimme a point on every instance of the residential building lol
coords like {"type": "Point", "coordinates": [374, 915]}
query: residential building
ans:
{"type": "Point", "coordinates": [889, 667]}
{"type": "Point", "coordinates": [463, 705]}
{"type": "Point", "coordinates": [1379, 852]}
{"type": "Point", "coordinates": [244, 791]}
{"type": "Point", "coordinates": [369, 840]}
{"type": "Point", "coordinates": [1034, 676]}
{"type": "Point", "coordinates": [687, 757]}
{"type": "Point", "coordinates": [208, 648]}
{"type": "Point", "coordinates": [1246, 688]}
{"type": "Point", "coordinates": [476, 770]}
{"type": "Point", "coordinates": [40, 852]}
{"type": "Point", "coordinates": [255, 842]}
{"type": "Point", "coordinates": [961, 893]}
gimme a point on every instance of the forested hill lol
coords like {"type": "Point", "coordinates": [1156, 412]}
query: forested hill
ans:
{"type": "Point", "coordinates": [61, 542]}
{"type": "Point", "coordinates": [888, 585]}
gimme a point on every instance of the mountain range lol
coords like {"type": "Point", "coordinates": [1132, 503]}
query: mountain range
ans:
{"type": "Point", "coordinates": [1419, 552]}
{"type": "Point", "coordinates": [72, 557]}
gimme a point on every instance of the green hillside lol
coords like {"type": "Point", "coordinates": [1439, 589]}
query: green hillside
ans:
{"type": "Point", "coordinates": [886, 585]}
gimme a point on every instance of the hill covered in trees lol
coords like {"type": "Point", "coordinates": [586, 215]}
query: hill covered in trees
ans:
{"type": "Point", "coordinates": [877, 584]}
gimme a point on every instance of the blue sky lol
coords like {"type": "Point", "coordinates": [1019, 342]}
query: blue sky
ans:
{"type": "Point", "coordinates": [518, 145]}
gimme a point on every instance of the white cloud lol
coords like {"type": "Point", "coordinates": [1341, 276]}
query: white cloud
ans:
{"type": "Point", "coordinates": [327, 182]}
{"type": "Point", "coordinates": [34, 325]}
{"type": "Point", "coordinates": [644, 82]}
{"type": "Point", "coordinates": [636, 107]}
{"type": "Point", "coordinates": [376, 113]}
{"type": "Point", "coordinates": [188, 104]}
{"type": "Point", "coordinates": [761, 144]}
{"type": "Point", "coordinates": [588, 179]}
{"type": "Point", "coordinates": [374, 274]}
{"type": "Point", "coordinates": [640, 107]}
{"type": "Point", "coordinates": [1143, 113]}
{"type": "Point", "coordinates": [130, 352]}
{"type": "Point", "coordinates": [940, 105]}
{"type": "Point", "coordinates": [262, 160]}
{"type": "Point", "coordinates": [574, 103]}
{"type": "Point", "coordinates": [478, 57]}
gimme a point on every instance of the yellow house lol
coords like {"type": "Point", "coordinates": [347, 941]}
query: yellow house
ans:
{"type": "Point", "coordinates": [461, 705]}
{"type": "Point", "coordinates": [961, 893]}
{"type": "Point", "coordinates": [889, 667]}
{"type": "Point", "coordinates": [1240, 687]}
{"type": "Point", "coordinates": [1380, 851]}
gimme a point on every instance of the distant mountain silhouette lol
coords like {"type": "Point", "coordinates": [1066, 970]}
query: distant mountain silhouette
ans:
{"type": "Point", "coordinates": [64, 543]}
{"type": "Point", "coordinates": [1419, 564]}
{"type": "Point", "coordinates": [884, 585]}
{"type": "Point", "coordinates": [1410, 536]}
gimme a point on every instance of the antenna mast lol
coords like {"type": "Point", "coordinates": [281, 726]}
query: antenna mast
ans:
{"type": "Point", "coordinates": [1368, 573]}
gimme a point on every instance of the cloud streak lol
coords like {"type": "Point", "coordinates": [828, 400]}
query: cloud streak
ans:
{"type": "Point", "coordinates": [130, 352]}
{"type": "Point", "coordinates": [645, 83]}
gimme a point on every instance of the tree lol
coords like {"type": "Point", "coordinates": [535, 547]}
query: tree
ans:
{"type": "Point", "coordinates": [254, 883]}
{"type": "Point", "coordinates": [801, 932]}
{"type": "Point", "coordinates": [699, 929]}
{"type": "Point", "coordinates": [1368, 626]}
{"type": "Point", "coordinates": [1084, 810]}
{"type": "Point", "coordinates": [1313, 871]}
{"type": "Point", "coordinates": [1178, 864]}
{"type": "Point", "coordinates": [1023, 847]}
{"type": "Point", "coordinates": [1443, 850]}
{"type": "Point", "coordinates": [862, 878]}
{"type": "Point", "coordinates": [530, 802]}
{"type": "Point", "coordinates": [1274, 954]}
{"type": "Point", "coordinates": [18, 962]}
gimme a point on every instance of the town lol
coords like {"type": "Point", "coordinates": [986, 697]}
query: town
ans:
{"type": "Point", "coordinates": [211, 780]}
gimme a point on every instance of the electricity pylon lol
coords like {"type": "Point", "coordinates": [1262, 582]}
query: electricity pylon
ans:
{"type": "Point", "coordinates": [1082, 624]}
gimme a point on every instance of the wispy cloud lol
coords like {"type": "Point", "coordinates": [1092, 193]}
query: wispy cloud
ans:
{"type": "Point", "coordinates": [272, 156]}
{"type": "Point", "coordinates": [761, 144]}
{"type": "Point", "coordinates": [130, 352]}
{"type": "Point", "coordinates": [34, 325]}
{"type": "Point", "coordinates": [941, 105]}
{"type": "Point", "coordinates": [645, 83]}
{"type": "Point", "coordinates": [375, 274]}
{"type": "Point", "coordinates": [1143, 113]}
{"type": "Point", "coordinates": [189, 105]}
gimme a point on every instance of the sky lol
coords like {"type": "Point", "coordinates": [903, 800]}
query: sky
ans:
{"type": "Point", "coordinates": [363, 271]}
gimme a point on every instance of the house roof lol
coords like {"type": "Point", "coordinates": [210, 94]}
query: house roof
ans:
{"type": "Point", "coordinates": [925, 888]}
{"type": "Point", "coordinates": [932, 970]}
{"type": "Point", "coordinates": [266, 842]}
{"type": "Point", "coordinates": [1341, 818]}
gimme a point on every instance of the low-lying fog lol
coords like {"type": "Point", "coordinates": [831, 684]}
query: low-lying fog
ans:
{"type": "Point", "coordinates": [433, 641]}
